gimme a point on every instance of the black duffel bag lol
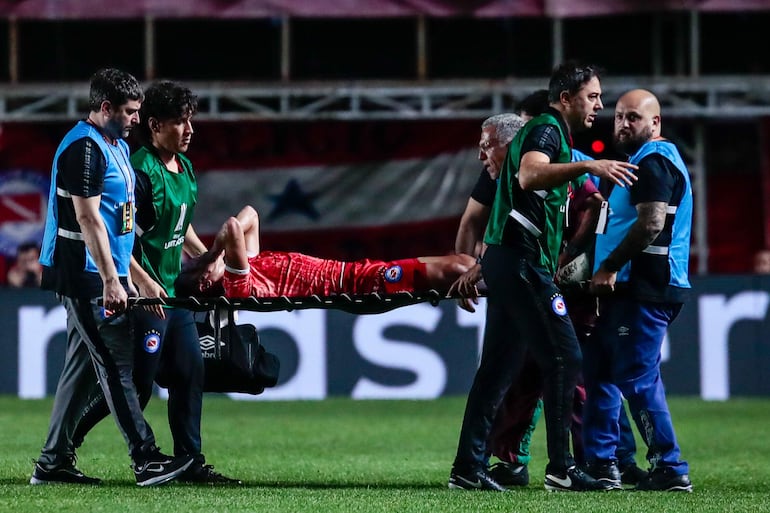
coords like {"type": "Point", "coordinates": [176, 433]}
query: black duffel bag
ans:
{"type": "Point", "coordinates": [241, 363]}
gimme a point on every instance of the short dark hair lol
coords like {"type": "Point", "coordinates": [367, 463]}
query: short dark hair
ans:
{"type": "Point", "coordinates": [534, 104]}
{"type": "Point", "coordinates": [571, 76]}
{"type": "Point", "coordinates": [115, 86]}
{"type": "Point", "coordinates": [27, 246]}
{"type": "Point", "coordinates": [165, 100]}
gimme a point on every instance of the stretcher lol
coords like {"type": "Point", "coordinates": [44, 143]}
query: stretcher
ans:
{"type": "Point", "coordinates": [363, 304]}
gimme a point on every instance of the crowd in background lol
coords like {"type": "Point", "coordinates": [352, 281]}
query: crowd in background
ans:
{"type": "Point", "coordinates": [23, 270]}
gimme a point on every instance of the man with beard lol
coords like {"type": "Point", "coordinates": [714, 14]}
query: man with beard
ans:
{"type": "Point", "coordinates": [86, 254]}
{"type": "Point", "coordinates": [640, 272]}
{"type": "Point", "coordinates": [166, 345]}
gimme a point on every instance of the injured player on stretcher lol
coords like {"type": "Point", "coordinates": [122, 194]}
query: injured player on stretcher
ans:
{"type": "Point", "coordinates": [249, 272]}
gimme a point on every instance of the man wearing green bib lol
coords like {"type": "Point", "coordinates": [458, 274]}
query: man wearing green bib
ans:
{"type": "Point", "coordinates": [166, 345]}
{"type": "Point", "coordinates": [525, 310]}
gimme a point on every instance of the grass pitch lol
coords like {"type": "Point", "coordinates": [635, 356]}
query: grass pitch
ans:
{"type": "Point", "coordinates": [341, 455]}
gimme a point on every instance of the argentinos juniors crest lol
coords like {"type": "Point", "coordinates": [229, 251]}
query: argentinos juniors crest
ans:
{"type": "Point", "coordinates": [393, 274]}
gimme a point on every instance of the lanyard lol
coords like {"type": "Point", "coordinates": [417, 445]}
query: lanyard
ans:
{"type": "Point", "coordinates": [123, 165]}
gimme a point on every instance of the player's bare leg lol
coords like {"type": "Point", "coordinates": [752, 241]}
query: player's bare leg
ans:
{"type": "Point", "coordinates": [249, 221]}
{"type": "Point", "coordinates": [234, 243]}
{"type": "Point", "coordinates": [238, 232]}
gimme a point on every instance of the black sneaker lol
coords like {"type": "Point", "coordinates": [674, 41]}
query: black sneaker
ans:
{"type": "Point", "coordinates": [64, 473]}
{"type": "Point", "coordinates": [607, 472]}
{"type": "Point", "coordinates": [478, 480]}
{"type": "Point", "coordinates": [631, 474]}
{"type": "Point", "coordinates": [509, 474]}
{"type": "Point", "coordinates": [199, 473]}
{"type": "Point", "coordinates": [574, 480]}
{"type": "Point", "coordinates": [665, 480]}
{"type": "Point", "coordinates": [159, 468]}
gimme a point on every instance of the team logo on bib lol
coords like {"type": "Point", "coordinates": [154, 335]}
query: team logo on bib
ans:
{"type": "Point", "coordinates": [152, 342]}
{"type": "Point", "coordinates": [393, 274]}
{"type": "Point", "coordinates": [558, 305]}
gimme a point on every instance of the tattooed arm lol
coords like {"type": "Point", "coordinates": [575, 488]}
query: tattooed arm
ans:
{"type": "Point", "coordinates": [649, 223]}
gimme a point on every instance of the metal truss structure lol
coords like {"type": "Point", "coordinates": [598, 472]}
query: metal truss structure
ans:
{"type": "Point", "coordinates": [681, 97]}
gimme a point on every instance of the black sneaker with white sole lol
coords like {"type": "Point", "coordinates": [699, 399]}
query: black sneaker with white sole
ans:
{"type": "Point", "coordinates": [509, 474]}
{"type": "Point", "coordinates": [665, 480]}
{"type": "Point", "coordinates": [65, 473]}
{"type": "Point", "coordinates": [476, 480]}
{"type": "Point", "coordinates": [159, 468]}
{"type": "Point", "coordinates": [574, 480]}
{"type": "Point", "coordinates": [605, 471]}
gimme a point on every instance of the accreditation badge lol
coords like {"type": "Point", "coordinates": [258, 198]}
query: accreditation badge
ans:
{"type": "Point", "coordinates": [127, 217]}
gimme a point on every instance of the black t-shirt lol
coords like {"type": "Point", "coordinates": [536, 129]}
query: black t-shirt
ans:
{"type": "Point", "coordinates": [485, 189]}
{"type": "Point", "coordinates": [659, 180]}
{"type": "Point", "coordinates": [145, 211]}
{"type": "Point", "coordinates": [81, 168]}
{"type": "Point", "coordinates": [80, 171]}
{"type": "Point", "coordinates": [545, 139]}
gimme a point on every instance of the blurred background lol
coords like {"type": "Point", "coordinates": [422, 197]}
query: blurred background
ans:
{"type": "Point", "coordinates": [352, 125]}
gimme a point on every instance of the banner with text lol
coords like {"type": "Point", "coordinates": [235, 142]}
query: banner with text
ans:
{"type": "Point", "coordinates": [716, 349]}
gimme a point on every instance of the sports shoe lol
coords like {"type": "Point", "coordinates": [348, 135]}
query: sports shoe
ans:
{"type": "Point", "coordinates": [665, 480]}
{"type": "Point", "coordinates": [574, 480]}
{"type": "Point", "coordinates": [607, 472]}
{"type": "Point", "coordinates": [64, 473]}
{"type": "Point", "coordinates": [159, 468]}
{"type": "Point", "coordinates": [199, 473]}
{"type": "Point", "coordinates": [631, 474]}
{"type": "Point", "coordinates": [477, 480]}
{"type": "Point", "coordinates": [509, 474]}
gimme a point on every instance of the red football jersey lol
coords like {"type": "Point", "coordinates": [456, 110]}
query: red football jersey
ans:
{"type": "Point", "coordinates": [275, 274]}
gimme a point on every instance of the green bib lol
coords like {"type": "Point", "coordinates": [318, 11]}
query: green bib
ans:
{"type": "Point", "coordinates": [174, 196]}
{"type": "Point", "coordinates": [537, 217]}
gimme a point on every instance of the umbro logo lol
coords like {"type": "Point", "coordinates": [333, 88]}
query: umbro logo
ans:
{"type": "Point", "coordinates": [208, 343]}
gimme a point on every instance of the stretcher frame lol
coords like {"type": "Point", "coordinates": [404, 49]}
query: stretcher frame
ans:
{"type": "Point", "coordinates": [361, 304]}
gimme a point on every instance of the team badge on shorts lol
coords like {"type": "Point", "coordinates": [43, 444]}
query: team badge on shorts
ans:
{"type": "Point", "coordinates": [558, 305]}
{"type": "Point", "coordinates": [393, 274]}
{"type": "Point", "coordinates": [152, 342]}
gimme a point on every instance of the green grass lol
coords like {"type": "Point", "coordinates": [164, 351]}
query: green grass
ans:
{"type": "Point", "coordinates": [350, 456]}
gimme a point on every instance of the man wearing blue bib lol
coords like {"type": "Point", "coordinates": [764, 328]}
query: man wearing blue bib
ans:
{"type": "Point", "coordinates": [86, 252]}
{"type": "Point", "coordinates": [642, 254]}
